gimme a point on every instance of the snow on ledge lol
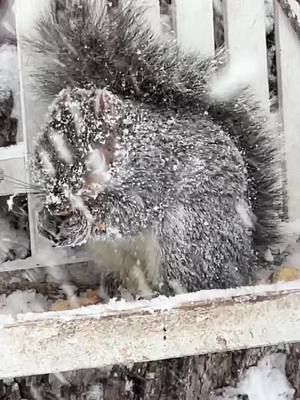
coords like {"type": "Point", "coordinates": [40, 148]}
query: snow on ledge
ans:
{"type": "Point", "coordinates": [160, 303]}
{"type": "Point", "coordinates": [116, 333]}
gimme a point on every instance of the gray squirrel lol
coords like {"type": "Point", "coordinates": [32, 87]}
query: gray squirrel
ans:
{"type": "Point", "coordinates": [172, 189]}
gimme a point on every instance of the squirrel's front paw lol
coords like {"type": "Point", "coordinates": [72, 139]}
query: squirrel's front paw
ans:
{"type": "Point", "coordinates": [147, 295]}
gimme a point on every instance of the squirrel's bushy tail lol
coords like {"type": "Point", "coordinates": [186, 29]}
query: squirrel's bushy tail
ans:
{"type": "Point", "coordinates": [82, 43]}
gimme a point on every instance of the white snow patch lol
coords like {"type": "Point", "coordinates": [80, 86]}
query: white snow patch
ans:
{"type": "Point", "coordinates": [46, 163]}
{"type": "Point", "coordinates": [266, 381]}
{"type": "Point", "coordinates": [268, 256]}
{"type": "Point", "coordinates": [95, 392]}
{"type": "Point", "coordinates": [12, 239]}
{"type": "Point", "coordinates": [69, 290]}
{"type": "Point", "coordinates": [245, 214]}
{"type": "Point", "coordinates": [96, 161]}
{"type": "Point", "coordinates": [293, 259]}
{"type": "Point", "coordinates": [99, 173]}
{"type": "Point", "coordinates": [10, 201]}
{"type": "Point", "coordinates": [269, 12]}
{"type": "Point", "coordinates": [77, 117]}
{"type": "Point", "coordinates": [61, 147]}
{"type": "Point", "coordinates": [23, 302]}
{"type": "Point", "coordinates": [177, 287]}
{"type": "Point", "coordinates": [60, 377]}
{"type": "Point", "coordinates": [218, 6]}
{"type": "Point", "coordinates": [129, 386]}
{"type": "Point", "coordinates": [35, 393]}
{"type": "Point", "coordinates": [160, 303]}
{"type": "Point", "coordinates": [9, 79]}
{"type": "Point", "coordinates": [78, 204]}
{"type": "Point", "coordinates": [290, 233]}
{"type": "Point", "coordinates": [113, 232]}
{"type": "Point", "coordinates": [291, 228]}
{"type": "Point", "coordinates": [237, 76]}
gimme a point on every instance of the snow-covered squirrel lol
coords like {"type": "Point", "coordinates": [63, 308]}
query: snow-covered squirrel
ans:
{"type": "Point", "coordinates": [181, 189]}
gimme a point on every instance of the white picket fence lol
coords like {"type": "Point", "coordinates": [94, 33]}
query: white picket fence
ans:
{"type": "Point", "coordinates": [249, 310]}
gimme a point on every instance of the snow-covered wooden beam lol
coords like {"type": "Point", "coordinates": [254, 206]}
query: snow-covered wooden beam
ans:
{"type": "Point", "coordinates": [199, 323]}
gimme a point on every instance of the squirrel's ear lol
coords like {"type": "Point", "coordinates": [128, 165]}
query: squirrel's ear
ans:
{"type": "Point", "coordinates": [107, 104]}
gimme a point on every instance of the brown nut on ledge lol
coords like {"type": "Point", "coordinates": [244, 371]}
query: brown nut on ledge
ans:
{"type": "Point", "coordinates": [89, 299]}
{"type": "Point", "coordinates": [285, 274]}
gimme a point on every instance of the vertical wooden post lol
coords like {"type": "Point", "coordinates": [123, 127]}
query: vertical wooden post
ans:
{"type": "Point", "coordinates": [245, 37]}
{"type": "Point", "coordinates": [194, 26]}
{"type": "Point", "coordinates": [33, 114]}
{"type": "Point", "coordinates": [24, 125]}
{"type": "Point", "coordinates": [288, 73]}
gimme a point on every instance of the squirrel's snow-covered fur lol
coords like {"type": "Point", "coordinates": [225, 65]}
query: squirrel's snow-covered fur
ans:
{"type": "Point", "coordinates": [135, 144]}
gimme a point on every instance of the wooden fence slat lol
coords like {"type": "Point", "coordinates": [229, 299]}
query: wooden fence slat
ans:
{"type": "Point", "coordinates": [288, 72]}
{"type": "Point", "coordinates": [33, 113]}
{"type": "Point", "coordinates": [39, 260]}
{"type": "Point", "coordinates": [197, 323]}
{"type": "Point", "coordinates": [244, 26]}
{"type": "Point", "coordinates": [194, 26]}
{"type": "Point", "coordinates": [27, 129]}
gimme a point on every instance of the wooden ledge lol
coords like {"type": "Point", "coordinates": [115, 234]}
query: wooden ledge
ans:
{"type": "Point", "coordinates": [197, 323]}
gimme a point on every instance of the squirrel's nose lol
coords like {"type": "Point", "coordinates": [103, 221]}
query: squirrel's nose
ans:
{"type": "Point", "coordinates": [50, 220]}
{"type": "Point", "coordinates": [63, 226]}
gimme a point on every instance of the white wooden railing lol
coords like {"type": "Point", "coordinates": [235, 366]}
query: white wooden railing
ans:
{"type": "Point", "coordinates": [199, 323]}
{"type": "Point", "coordinates": [191, 324]}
